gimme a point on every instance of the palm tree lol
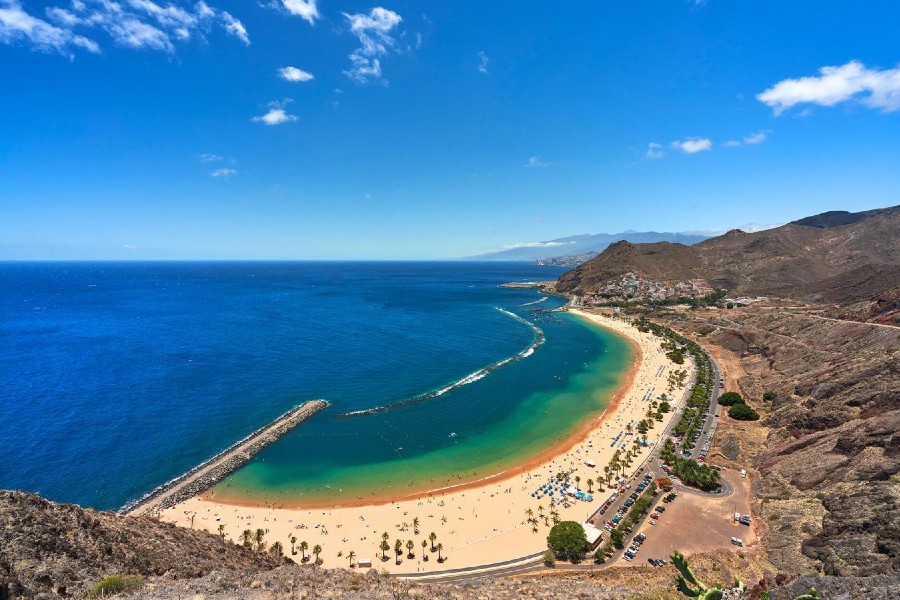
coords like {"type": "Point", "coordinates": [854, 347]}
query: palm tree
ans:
{"type": "Point", "coordinates": [384, 548]}
{"type": "Point", "coordinates": [432, 536]}
{"type": "Point", "coordinates": [303, 548]}
{"type": "Point", "coordinates": [317, 550]}
{"type": "Point", "coordinates": [351, 556]}
{"type": "Point", "coordinates": [424, 546]}
{"type": "Point", "coordinates": [222, 530]}
{"type": "Point", "coordinates": [577, 480]}
{"type": "Point", "coordinates": [293, 541]}
{"type": "Point", "coordinates": [439, 548]}
{"type": "Point", "coordinates": [409, 546]}
{"type": "Point", "coordinates": [416, 525]}
{"type": "Point", "coordinates": [259, 537]}
{"type": "Point", "coordinates": [540, 510]}
{"type": "Point", "coordinates": [590, 483]}
{"type": "Point", "coordinates": [276, 549]}
{"type": "Point", "coordinates": [398, 549]}
{"type": "Point", "coordinates": [247, 537]}
{"type": "Point", "coordinates": [529, 512]}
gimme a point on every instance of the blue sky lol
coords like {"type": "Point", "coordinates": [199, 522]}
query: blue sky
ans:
{"type": "Point", "coordinates": [332, 129]}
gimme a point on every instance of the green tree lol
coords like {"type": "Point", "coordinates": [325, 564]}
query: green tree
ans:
{"type": "Point", "coordinates": [385, 546]}
{"type": "Point", "coordinates": [222, 530]}
{"type": "Point", "coordinates": [416, 525]}
{"type": "Point", "coordinates": [409, 546]}
{"type": "Point", "coordinates": [432, 536]}
{"type": "Point", "coordinates": [568, 541]}
{"type": "Point", "coordinates": [293, 540]}
{"type": "Point", "coordinates": [259, 536]}
{"type": "Point", "coordinates": [590, 484]}
{"type": "Point", "coordinates": [317, 550]}
{"type": "Point", "coordinates": [276, 549]}
{"type": "Point", "coordinates": [742, 412]}
{"type": "Point", "coordinates": [398, 550]}
{"type": "Point", "coordinates": [303, 548]}
{"type": "Point", "coordinates": [247, 538]}
{"type": "Point", "coordinates": [616, 538]}
{"type": "Point", "coordinates": [424, 546]}
{"type": "Point", "coordinates": [351, 555]}
{"type": "Point", "coordinates": [730, 399]}
{"type": "Point", "coordinates": [440, 547]}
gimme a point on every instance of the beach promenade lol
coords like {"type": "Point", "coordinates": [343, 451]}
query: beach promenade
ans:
{"type": "Point", "coordinates": [204, 476]}
{"type": "Point", "coordinates": [477, 523]}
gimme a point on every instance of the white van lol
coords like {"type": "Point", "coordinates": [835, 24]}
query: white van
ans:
{"type": "Point", "coordinates": [737, 541]}
{"type": "Point", "coordinates": [743, 473]}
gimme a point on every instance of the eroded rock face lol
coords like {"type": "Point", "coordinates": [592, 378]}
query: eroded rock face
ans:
{"type": "Point", "coordinates": [832, 457]}
{"type": "Point", "coordinates": [63, 550]}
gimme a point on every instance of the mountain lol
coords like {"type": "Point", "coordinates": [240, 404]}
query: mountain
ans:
{"type": "Point", "coordinates": [835, 257]}
{"type": "Point", "coordinates": [585, 246]}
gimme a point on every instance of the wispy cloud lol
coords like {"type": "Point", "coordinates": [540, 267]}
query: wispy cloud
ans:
{"type": "Point", "coordinates": [139, 24]}
{"type": "Point", "coordinates": [209, 158]}
{"type": "Point", "coordinates": [875, 88]}
{"type": "Point", "coordinates": [375, 32]}
{"type": "Point", "coordinates": [305, 9]}
{"type": "Point", "coordinates": [16, 25]}
{"type": "Point", "coordinates": [692, 145]}
{"type": "Point", "coordinates": [224, 173]}
{"type": "Point", "coordinates": [654, 151]}
{"type": "Point", "coordinates": [483, 61]}
{"type": "Point", "coordinates": [535, 162]}
{"type": "Point", "coordinates": [277, 114]}
{"type": "Point", "coordinates": [751, 140]}
{"type": "Point", "coordinates": [294, 74]}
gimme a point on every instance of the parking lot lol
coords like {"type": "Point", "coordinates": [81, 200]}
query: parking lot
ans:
{"type": "Point", "coordinates": [694, 523]}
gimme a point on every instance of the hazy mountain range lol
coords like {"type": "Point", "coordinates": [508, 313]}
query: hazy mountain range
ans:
{"type": "Point", "coordinates": [579, 248]}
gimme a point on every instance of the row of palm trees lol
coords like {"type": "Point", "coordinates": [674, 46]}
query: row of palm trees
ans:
{"type": "Point", "coordinates": [410, 546]}
{"type": "Point", "coordinates": [251, 538]}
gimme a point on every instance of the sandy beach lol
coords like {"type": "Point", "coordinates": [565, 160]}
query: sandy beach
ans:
{"type": "Point", "coordinates": [477, 523]}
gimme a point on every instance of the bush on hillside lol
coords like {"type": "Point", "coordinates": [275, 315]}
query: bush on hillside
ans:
{"type": "Point", "coordinates": [116, 584]}
{"type": "Point", "coordinates": [730, 399]}
{"type": "Point", "coordinates": [742, 412]}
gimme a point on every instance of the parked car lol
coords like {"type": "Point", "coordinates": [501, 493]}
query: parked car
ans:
{"type": "Point", "coordinates": [743, 473]}
{"type": "Point", "coordinates": [737, 541]}
{"type": "Point", "coordinates": [745, 519]}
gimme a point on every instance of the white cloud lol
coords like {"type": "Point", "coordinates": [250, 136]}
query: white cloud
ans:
{"type": "Point", "coordinates": [375, 34]}
{"type": "Point", "coordinates": [17, 25]}
{"type": "Point", "coordinates": [294, 74]}
{"type": "Point", "coordinates": [535, 161]}
{"type": "Point", "coordinates": [305, 9]}
{"type": "Point", "coordinates": [208, 158]}
{"type": "Point", "coordinates": [483, 61]}
{"type": "Point", "coordinates": [692, 145]}
{"type": "Point", "coordinates": [140, 24]}
{"type": "Point", "coordinates": [751, 140]}
{"type": "Point", "coordinates": [654, 150]}
{"type": "Point", "coordinates": [853, 81]}
{"type": "Point", "coordinates": [224, 173]}
{"type": "Point", "coordinates": [276, 114]}
{"type": "Point", "coordinates": [535, 245]}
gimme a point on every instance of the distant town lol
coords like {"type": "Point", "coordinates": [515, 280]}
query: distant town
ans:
{"type": "Point", "coordinates": [634, 288]}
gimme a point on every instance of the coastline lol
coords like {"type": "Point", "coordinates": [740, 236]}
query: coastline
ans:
{"type": "Point", "coordinates": [477, 522]}
{"type": "Point", "coordinates": [559, 448]}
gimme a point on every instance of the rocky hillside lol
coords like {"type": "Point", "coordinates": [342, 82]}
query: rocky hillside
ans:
{"type": "Point", "coordinates": [835, 257]}
{"type": "Point", "coordinates": [63, 550]}
{"type": "Point", "coordinates": [829, 450]}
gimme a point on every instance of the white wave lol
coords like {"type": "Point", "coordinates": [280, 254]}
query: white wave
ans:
{"type": "Point", "coordinates": [470, 378]}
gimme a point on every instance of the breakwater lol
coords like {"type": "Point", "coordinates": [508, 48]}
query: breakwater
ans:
{"type": "Point", "coordinates": [209, 473]}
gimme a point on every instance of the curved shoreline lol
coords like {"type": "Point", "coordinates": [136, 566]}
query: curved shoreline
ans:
{"type": "Point", "coordinates": [559, 448]}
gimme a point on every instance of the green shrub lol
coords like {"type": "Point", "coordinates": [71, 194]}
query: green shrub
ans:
{"type": "Point", "coordinates": [549, 559]}
{"type": "Point", "coordinates": [742, 412]}
{"type": "Point", "coordinates": [116, 584]}
{"type": "Point", "coordinates": [769, 396]}
{"type": "Point", "coordinates": [568, 541]}
{"type": "Point", "coordinates": [730, 399]}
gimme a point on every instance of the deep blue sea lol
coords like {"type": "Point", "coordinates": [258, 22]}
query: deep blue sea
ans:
{"type": "Point", "coordinates": [116, 377]}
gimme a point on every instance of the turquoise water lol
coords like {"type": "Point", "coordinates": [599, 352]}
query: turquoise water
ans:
{"type": "Point", "coordinates": [119, 377]}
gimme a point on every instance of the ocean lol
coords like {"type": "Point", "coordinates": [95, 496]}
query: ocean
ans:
{"type": "Point", "coordinates": [117, 377]}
